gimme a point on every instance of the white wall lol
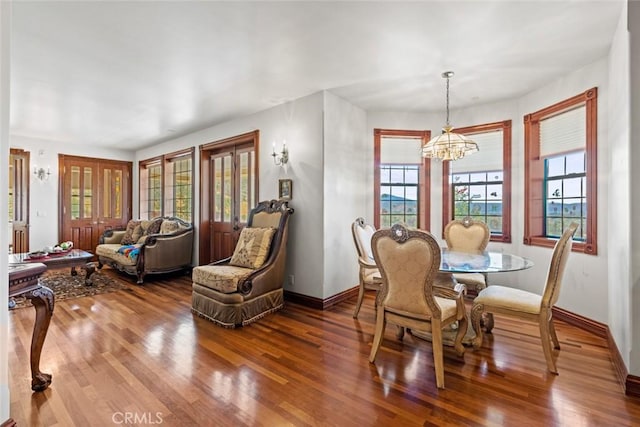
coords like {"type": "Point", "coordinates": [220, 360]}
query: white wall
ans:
{"type": "Point", "coordinates": [619, 224]}
{"type": "Point", "coordinates": [5, 54]}
{"type": "Point", "coordinates": [345, 192]}
{"type": "Point", "coordinates": [634, 295]}
{"type": "Point", "coordinates": [300, 123]}
{"type": "Point", "coordinates": [43, 200]}
{"type": "Point", "coordinates": [586, 275]}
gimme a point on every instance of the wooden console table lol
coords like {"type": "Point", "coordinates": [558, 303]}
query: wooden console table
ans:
{"type": "Point", "coordinates": [23, 280]}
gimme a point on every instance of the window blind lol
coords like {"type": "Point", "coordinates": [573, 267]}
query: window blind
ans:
{"type": "Point", "coordinates": [564, 132]}
{"type": "Point", "coordinates": [401, 151]}
{"type": "Point", "coordinates": [488, 157]}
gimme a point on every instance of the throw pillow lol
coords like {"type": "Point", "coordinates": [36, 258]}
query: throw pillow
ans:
{"type": "Point", "coordinates": [154, 226]}
{"type": "Point", "coordinates": [169, 226]}
{"type": "Point", "coordinates": [252, 247]}
{"type": "Point", "coordinates": [128, 238]}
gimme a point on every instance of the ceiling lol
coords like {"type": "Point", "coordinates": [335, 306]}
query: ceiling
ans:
{"type": "Point", "coordinates": [127, 75]}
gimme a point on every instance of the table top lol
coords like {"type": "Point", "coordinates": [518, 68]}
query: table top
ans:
{"type": "Point", "coordinates": [74, 256]}
{"type": "Point", "coordinates": [481, 262]}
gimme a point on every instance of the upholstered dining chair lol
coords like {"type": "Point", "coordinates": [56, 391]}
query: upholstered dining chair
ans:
{"type": "Point", "coordinates": [409, 261]}
{"type": "Point", "coordinates": [368, 276]}
{"type": "Point", "coordinates": [527, 305]}
{"type": "Point", "coordinates": [468, 235]}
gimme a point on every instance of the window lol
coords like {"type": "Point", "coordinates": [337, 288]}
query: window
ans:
{"type": "Point", "coordinates": [401, 178]}
{"type": "Point", "coordinates": [479, 186]}
{"type": "Point", "coordinates": [166, 186]}
{"type": "Point", "coordinates": [560, 172]}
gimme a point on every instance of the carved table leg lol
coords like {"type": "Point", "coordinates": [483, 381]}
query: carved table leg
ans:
{"type": "Point", "coordinates": [42, 299]}
{"type": "Point", "coordinates": [73, 271]}
{"type": "Point", "coordinates": [89, 268]}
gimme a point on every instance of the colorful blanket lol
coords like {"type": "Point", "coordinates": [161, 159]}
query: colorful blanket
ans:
{"type": "Point", "coordinates": [130, 251]}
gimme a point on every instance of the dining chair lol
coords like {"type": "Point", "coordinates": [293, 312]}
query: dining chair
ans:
{"type": "Point", "coordinates": [468, 235]}
{"type": "Point", "coordinates": [409, 261]}
{"type": "Point", "coordinates": [368, 276]}
{"type": "Point", "coordinates": [527, 305]}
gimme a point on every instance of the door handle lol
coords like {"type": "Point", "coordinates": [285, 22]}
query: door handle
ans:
{"type": "Point", "coordinates": [235, 224]}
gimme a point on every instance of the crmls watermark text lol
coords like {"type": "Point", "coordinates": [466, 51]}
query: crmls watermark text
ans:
{"type": "Point", "coordinates": [137, 418]}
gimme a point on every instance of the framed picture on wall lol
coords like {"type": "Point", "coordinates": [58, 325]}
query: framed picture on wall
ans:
{"type": "Point", "coordinates": [285, 189]}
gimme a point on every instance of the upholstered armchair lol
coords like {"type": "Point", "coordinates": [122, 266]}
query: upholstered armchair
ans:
{"type": "Point", "coordinates": [468, 235]}
{"type": "Point", "coordinates": [527, 305]}
{"type": "Point", "coordinates": [245, 287]}
{"type": "Point", "coordinates": [368, 275]}
{"type": "Point", "coordinates": [409, 261]}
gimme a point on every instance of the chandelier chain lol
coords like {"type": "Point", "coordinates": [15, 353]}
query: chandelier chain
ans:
{"type": "Point", "coordinates": [447, 100]}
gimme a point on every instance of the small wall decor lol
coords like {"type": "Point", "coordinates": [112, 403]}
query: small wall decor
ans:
{"type": "Point", "coordinates": [285, 189]}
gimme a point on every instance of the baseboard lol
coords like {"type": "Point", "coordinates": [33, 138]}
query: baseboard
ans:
{"type": "Point", "coordinates": [9, 423]}
{"type": "Point", "coordinates": [599, 329]}
{"type": "Point", "coordinates": [319, 303]}
{"type": "Point", "coordinates": [629, 383]}
{"type": "Point", "coordinates": [632, 386]}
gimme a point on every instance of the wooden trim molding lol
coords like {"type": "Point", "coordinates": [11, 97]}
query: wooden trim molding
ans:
{"type": "Point", "coordinates": [424, 191]}
{"type": "Point", "coordinates": [629, 383]}
{"type": "Point", "coordinates": [534, 173]}
{"type": "Point", "coordinates": [447, 197]}
{"type": "Point", "coordinates": [319, 303]}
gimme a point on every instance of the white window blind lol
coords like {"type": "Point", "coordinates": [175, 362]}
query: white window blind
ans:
{"type": "Point", "coordinates": [488, 157]}
{"type": "Point", "coordinates": [564, 132]}
{"type": "Point", "coordinates": [401, 151]}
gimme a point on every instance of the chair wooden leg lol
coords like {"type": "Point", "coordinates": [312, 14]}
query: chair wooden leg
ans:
{"type": "Point", "coordinates": [546, 344]}
{"type": "Point", "coordinates": [379, 333]}
{"type": "Point", "coordinates": [554, 336]}
{"type": "Point", "coordinates": [462, 330]}
{"type": "Point", "coordinates": [476, 317]}
{"type": "Point", "coordinates": [438, 362]}
{"type": "Point", "coordinates": [359, 303]}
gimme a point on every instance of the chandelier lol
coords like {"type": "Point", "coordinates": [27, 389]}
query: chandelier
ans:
{"type": "Point", "coordinates": [448, 145]}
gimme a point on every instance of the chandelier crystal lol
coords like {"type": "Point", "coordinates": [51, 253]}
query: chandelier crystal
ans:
{"type": "Point", "coordinates": [448, 145]}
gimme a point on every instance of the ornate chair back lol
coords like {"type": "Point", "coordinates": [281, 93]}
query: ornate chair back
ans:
{"type": "Point", "coordinates": [467, 235]}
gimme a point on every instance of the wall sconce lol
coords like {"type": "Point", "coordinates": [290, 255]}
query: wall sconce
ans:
{"type": "Point", "coordinates": [41, 174]}
{"type": "Point", "coordinates": [281, 158]}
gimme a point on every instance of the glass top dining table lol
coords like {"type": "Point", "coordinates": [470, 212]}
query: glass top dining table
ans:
{"type": "Point", "coordinates": [481, 262]}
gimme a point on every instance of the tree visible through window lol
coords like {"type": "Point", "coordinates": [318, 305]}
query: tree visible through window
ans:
{"type": "Point", "coordinates": [401, 184]}
{"type": "Point", "coordinates": [560, 172]}
{"type": "Point", "coordinates": [479, 185]}
{"type": "Point", "coordinates": [166, 186]}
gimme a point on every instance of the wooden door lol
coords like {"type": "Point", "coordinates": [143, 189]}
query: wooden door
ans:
{"type": "Point", "coordinates": [95, 196]}
{"type": "Point", "coordinates": [232, 197]}
{"type": "Point", "coordinates": [19, 200]}
{"type": "Point", "coordinates": [229, 192]}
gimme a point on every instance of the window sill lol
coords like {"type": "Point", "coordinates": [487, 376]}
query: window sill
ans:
{"type": "Point", "coordinates": [581, 247]}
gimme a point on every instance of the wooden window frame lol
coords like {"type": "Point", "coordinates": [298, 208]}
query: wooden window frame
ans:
{"type": "Point", "coordinates": [162, 160]}
{"type": "Point", "coordinates": [534, 201]}
{"type": "Point", "coordinates": [424, 175]}
{"type": "Point", "coordinates": [447, 202]}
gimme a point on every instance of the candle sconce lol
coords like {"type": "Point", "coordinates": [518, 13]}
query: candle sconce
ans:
{"type": "Point", "coordinates": [281, 158]}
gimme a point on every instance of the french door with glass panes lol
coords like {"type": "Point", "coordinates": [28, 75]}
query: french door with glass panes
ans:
{"type": "Point", "coordinates": [95, 197]}
{"type": "Point", "coordinates": [229, 192]}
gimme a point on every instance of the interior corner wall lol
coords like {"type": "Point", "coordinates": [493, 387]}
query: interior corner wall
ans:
{"type": "Point", "coordinates": [300, 123]}
{"type": "Point", "coordinates": [5, 55]}
{"type": "Point", "coordinates": [618, 237]}
{"type": "Point", "coordinates": [634, 83]}
{"type": "Point", "coordinates": [345, 193]}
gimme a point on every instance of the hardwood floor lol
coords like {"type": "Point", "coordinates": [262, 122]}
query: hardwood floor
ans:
{"type": "Point", "coordinates": [140, 357]}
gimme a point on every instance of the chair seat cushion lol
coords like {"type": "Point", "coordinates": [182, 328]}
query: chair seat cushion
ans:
{"type": "Point", "coordinates": [476, 280]}
{"type": "Point", "coordinates": [114, 251]}
{"type": "Point", "coordinates": [510, 299]}
{"type": "Point", "coordinates": [222, 278]}
{"type": "Point", "coordinates": [447, 306]}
